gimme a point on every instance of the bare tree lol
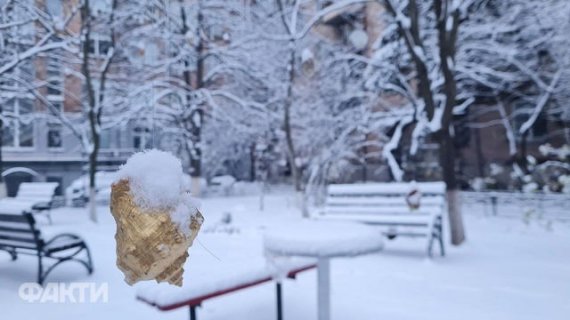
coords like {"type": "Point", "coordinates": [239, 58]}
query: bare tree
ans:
{"type": "Point", "coordinates": [26, 31]}
{"type": "Point", "coordinates": [297, 23]}
{"type": "Point", "coordinates": [436, 82]}
{"type": "Point", "coordinates": [103, 93]}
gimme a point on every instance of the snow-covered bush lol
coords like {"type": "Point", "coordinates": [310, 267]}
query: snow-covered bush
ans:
{"type": "Point", "coordinates": [222, 185]}
{"type": "Point", "coordinates": [562, 153]}
{"type": "Point", "coordinates": [565, 182]}
{"type": "Point", "coordinates": [530, 187]}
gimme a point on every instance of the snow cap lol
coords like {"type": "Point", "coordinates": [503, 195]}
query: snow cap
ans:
{"type": "Point", "coordinates": [157, 182]}
{"type": "Point", "coordinates": [155, 178]}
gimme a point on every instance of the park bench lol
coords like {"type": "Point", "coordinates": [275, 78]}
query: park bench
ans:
{"type": "Point", "coordinates": [201, 289]}
{"type": "Point", "coordinates": [19, 235]}
{"type": "Point", "coordinates": [35, 197]}
{"type": "Point", "coordinates": [385, 204]}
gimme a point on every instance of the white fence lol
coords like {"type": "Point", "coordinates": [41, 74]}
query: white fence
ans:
{"type": "Point", "coordinates": [551, 206]}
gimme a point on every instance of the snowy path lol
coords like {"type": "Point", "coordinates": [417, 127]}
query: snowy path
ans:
{"type": "Point", "coordinates": [507, 270]}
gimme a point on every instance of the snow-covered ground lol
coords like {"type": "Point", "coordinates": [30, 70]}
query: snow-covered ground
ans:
{"type": "Point", "coordinates": [509, 269]}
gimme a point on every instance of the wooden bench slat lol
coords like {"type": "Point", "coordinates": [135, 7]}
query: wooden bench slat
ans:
{"type": "Point", "coordinates": [31, 197]}
{"type": "Point", "coordinates": [385, 219]}
{"type": "Point", "coordinates": [12, 238]}
{"type": "Point", "coordinates": [7, 228]}
{"type": "Point", "coordinates": [38, 185]}
{"type": "Point", "coordinates": [407, 234]}
{"type": "Point", "coordinates": [378, 210]}
{"type": "Point", "coordinates": [17, 245]}
{"type": "Point", "coordinates": [14, 218]}
{"type": "Point", "coordinates": [397, 188]}
{"type": "Point", "coordinates": [344, 200]}
{"type": "Point", "coordinates": [18, 233]}
{"type": "Point", "coordinates": [385, 204]}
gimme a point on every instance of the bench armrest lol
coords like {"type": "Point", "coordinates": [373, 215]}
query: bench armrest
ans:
{"type": "Point", "coordinates": [70, 236]}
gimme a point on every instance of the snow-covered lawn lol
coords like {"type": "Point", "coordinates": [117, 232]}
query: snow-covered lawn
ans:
{"type": "Point", "coordinates": [508, 269]}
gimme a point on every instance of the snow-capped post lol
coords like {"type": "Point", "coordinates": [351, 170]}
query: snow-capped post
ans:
{"type": "Point", "coordinates": [437, 113]}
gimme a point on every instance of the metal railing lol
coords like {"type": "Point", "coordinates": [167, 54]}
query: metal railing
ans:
{"type": "Point", "coordinates": [553, 206]}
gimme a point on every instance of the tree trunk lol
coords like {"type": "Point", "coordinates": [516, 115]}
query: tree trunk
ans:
{"type": "Point", "coordinates": [2, 184]}
{"type": "Point", "coordinates": [1, 143]}
{"type": "Point", "coordinates": [447, 29]}
{"type": "Point", "coordinates": [287, 121]}
{"type": "Point", "coordinates": [252, 163]}
{"type": "Point", "coordinates": [92, 183]}
{"type": "Point", "coordinates": [521, 158]}
{"type": "Point", "coordinates": [479, 153]}
{"type": "Point", "coordinates": [92, 203]}
{"type": "Point", "coordinates": [196, 115]}
{"type": "Point", "coordinates": [93, 114]}
{"type": "Point", "coordinates": [93, 155]}
{"type": "Point", "coordinates": [289, 99]}
{"type": "Point", "coordinates": [455, 217]}
{"type": "Point", "coordinates": [447, 162]}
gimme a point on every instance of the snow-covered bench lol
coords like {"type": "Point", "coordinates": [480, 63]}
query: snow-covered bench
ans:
{"type": "Point", "coordinates": [385, 204]}
{"type": "Point", "coordinates": [197, 290]}
{"type": "Point", "coordinates": [31, 197]}
{"type": "Point", "coordinates": [19, 235]}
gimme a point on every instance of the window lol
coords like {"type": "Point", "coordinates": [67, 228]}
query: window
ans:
{"type": "Point", "coordinates": [16, 79]}
{"type": "Point", "coordinates": [150, 53]}
{"type": "Point", "coordinates": [18, 130]}
{"type": "Point", "coordinates": [142, 138]}
{"type": "Point", "coordinates": [105, 139]}
{"type": "Point", "coordinates": [57, 104]}
{"type": "Point", "coordinates": [54, 139]}
{"type": "Point", "coordinates": [538, 130]}
{"type": "Point", "coordinates": [540, 127]}
{"type": "Point", "coordinates": [92, 46]}
{"type": "Point", "coordinates": [101, 7]}
{"type": "Point", "coordinates": [99, 45]}
{"type": "Point", "coordinates": [104, 46]}
{"type": "Point", "coordinates": [54, 79]}
{"type": "Point", "coordinates": [8, 135]}
{"type": "Point", "coordinates": [54, 7]}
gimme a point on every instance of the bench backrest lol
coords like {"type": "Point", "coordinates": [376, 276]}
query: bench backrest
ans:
{"type": "Point", "coordinates": [36, 191]}
{"type": "Point", "coordinates": [19, 231]}
{"type": "Point", "coordinates": [383, 198]}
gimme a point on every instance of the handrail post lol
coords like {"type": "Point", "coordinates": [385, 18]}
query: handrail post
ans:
{"type": "Point", "coordinates": [193, 313]}
{"type": "Point", "coordinates": [279, 301]}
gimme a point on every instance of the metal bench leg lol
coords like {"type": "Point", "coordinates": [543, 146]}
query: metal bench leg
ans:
{"type": "Point", "coordinates": [193, 313]}
{"type": "Point", "coordinates": [40, 270]}
{"type": "Point", "coordinates": [89, 260]}
{"type": "Point", "coordinates": [279, 301]}
{"type": "Point", "coordinates": [13, 254]}
{"type": "Point", "coordinates": [49, 217]}
{"type": "Point", "coordinates": [440, 238]}
{"type": "Point", "coordinates": [430, 246]}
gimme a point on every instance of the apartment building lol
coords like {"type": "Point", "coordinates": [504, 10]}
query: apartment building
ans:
{"type": "Point", "coordinates": [36, 146]}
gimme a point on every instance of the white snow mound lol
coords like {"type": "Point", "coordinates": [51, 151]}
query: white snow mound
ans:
{"type": "Point", "coordinates": [156, 182]}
